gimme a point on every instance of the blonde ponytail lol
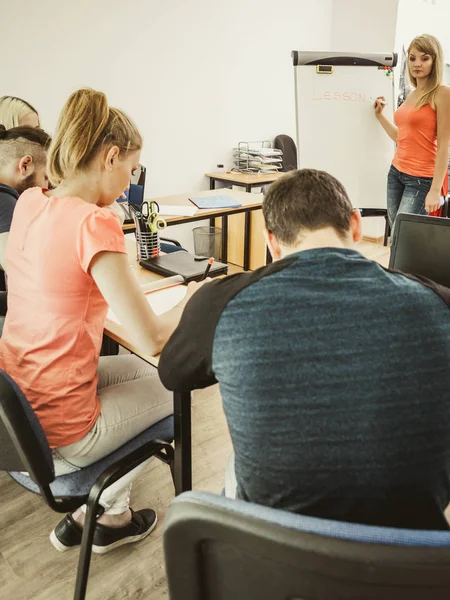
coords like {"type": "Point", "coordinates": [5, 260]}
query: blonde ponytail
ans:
{"type": "Point", "coordinates": [87, 125]}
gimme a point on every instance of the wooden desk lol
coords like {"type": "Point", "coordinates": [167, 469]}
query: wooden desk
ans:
{"type": "Point", "coordinates": [181, 401]}
{"type": "Point", "coordinates": [250, 202]}
{"type": "Point", "coordinates": [242, 179]}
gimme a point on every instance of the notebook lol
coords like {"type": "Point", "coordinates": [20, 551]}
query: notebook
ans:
{"type": "Point", "coordinates": [183, 263]}
{"type": "Point", "coordinates": [219, 201]}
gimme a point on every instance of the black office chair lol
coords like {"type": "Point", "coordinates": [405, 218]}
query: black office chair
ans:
{"type": "Point", "coordinates": [287, 145]}
{"type": "Point", "coordinates": [24, 447]}
{"type": "Point", "coordinates": [139, 176]}
{"type": "Point", "coordinates": [378, 212]}
{"type": "Point", "coordinates": [221, 549]}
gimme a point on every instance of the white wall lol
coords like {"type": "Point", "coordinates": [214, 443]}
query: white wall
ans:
{"type": "Point", "coordinates": [197, 76]}
{"type": "Point", "coordinates": [424, 16]}
{"type": "Point", "coordinates": [364, 25]}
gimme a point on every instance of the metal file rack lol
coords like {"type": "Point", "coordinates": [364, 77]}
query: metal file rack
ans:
{"type": "Point", "coordinates": [243, 158]}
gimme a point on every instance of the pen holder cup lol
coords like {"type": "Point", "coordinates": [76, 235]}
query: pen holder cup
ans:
{"type": "Point", "coordinates": [147, 245]}
{"type": "Point", "coordinates": [208, 241]}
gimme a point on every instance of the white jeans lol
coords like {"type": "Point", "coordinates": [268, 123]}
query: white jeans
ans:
{"type": "Point", "coordinates": [132, 398]}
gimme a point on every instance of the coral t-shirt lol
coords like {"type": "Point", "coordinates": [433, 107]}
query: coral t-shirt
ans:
{"type": "Point", "coordinates": [53, 329]}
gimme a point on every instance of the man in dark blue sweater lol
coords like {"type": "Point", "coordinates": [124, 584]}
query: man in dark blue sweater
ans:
{"type": "Point", "coordinates": [23, 154]}
{"type": "Point", "coordinates": [334, 371]}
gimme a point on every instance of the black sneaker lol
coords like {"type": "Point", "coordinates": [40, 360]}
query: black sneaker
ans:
{"type": "Point", "coordinates": [66, 535]}
{"type": "Point", "coordinates": [107, 538]}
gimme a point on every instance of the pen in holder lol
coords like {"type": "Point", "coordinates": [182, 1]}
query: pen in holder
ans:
{"type": "Point", "coordinates": [147, 242]}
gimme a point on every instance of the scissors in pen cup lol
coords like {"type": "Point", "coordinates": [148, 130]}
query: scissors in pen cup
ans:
{"type": "Point", "coordinates": [150, 212]}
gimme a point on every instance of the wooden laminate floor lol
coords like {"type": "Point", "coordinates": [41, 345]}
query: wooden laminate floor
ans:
{"type": "Point", "coordinates": [30, 568]}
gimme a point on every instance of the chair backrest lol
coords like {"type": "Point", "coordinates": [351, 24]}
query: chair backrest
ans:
{"type": "Point", "coordinates": [23, 445]}
{"type": "Point", "coordinates": [142, 176]}
{"type": "Point", "coordinates": [221, 549]}
{"type": "Point", "coordinates": [136, 194]}
{"type": "Point", "coordinates": [287, 145]}
{"type": "Point", "coordinates": [139, 177]}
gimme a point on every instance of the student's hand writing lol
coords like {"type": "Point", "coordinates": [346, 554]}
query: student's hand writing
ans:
{"type": "Point", "coordinates": [432, 201]}
{"type": "Point", "coordinates": [379, 104]}
{"type": "Point", "coordinates": [194, 286]}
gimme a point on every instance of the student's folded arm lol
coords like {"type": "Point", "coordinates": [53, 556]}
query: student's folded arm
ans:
{"type": "Point", "coordinates": [121, 290]}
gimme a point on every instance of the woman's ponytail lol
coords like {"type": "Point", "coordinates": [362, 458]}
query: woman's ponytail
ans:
{"type": "Point", "coordinates": [86, 125]}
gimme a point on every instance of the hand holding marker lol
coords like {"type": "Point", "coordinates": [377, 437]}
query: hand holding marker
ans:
{"type": "Point", "coordinates": [208, 268]}
{"type": "Point", "coordinates": [378, 105]}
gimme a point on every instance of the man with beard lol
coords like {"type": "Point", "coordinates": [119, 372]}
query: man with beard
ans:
{"type": "Point", "coordinates": [23, 153]}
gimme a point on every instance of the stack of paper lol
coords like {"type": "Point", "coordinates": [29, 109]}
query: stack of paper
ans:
{"type": "Point", "coordinates": [258, 160]}
{"type": "Point", "coordinates": [178, 211]}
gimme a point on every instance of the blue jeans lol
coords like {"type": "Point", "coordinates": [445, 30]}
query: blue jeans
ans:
{"type": "Point", "coordinates": [406, 194]}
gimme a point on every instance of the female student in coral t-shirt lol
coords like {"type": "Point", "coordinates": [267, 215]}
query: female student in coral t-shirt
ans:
{"type": "Point", "coordinates": [418, 174]}
{"type": "Point", "coordinates": [66, 262]}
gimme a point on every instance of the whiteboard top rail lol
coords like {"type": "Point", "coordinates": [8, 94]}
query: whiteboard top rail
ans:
{"type": "Point", "coordinates": [359, 59]}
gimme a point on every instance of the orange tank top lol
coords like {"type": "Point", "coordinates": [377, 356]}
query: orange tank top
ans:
{"type": "Point", "coordinates": [416, 140]}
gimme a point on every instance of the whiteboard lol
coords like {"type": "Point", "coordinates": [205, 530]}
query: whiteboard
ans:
{"type": "Point", "coordinates": [337, 130]}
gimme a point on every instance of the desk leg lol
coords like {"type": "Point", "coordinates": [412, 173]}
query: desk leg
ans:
{"type": "Point", "coordinates": [225, 238]}
{"type": "Point", "coordinates": [183, 442]}
{"type": "Point", "coordinates": [247, 241]}
{"type": "Point", "coordinates": [248, 188]}
{"type": "Point", "coordinates": [212, 184]}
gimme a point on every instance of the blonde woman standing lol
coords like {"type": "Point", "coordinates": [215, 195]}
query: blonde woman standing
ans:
{"type": "Point", "coordinates": [15, 112]}
{"type": "Point", "coordinates": [69, 254]}
{"type": "Point", "coordinates": [418, 174]}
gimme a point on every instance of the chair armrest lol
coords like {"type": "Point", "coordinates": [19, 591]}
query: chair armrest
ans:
{"type": "Point", "coordinates": [373, 212]}
{"type": "Point", "coordinates": [176, 242]}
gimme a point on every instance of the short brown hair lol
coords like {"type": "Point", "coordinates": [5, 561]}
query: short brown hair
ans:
{"type": "Point", "coordinates": [306, 200]}
{"type": "Point", "coordinates": [22, 141]}
{"type": "Point", "coordinates": [86, 125]}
